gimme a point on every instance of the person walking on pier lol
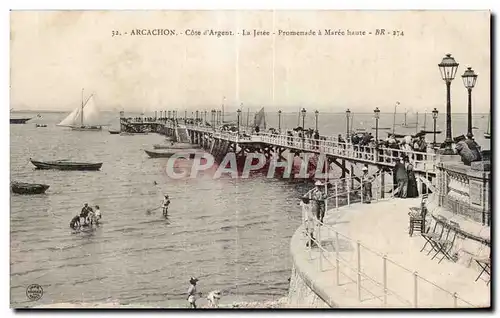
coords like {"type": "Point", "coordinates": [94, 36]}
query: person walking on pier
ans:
{"type": "Point", "coordinates": [308, 220]}
{"type": "Point", "coordinates": [367, 180]}
{"type": "Point", "coordinates": [319, 198]}
{"type": "Point", "coordinates": [412, 191]}
{"type": "Point", "coordinates": [401, 179]}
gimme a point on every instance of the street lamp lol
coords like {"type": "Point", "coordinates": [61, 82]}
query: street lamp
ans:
{"type": "Point", "coordinates": [279, 121]}
{"type": "Point", "coordinates": [469, 79]}
{"type": "Point", "coordinates": [205, 122]}
{"type": "Point", "coordinates": [348, 119]}
{"type": "Point", "coordinates": [448, 68]}
{"type": "Point", "coordinates": [197, 114]}
{"type": "Point", "coordinates": [239, 113]}
{"type": "Point", "coordinates": [303, 111]}
{"type": "Point", "coordinates": [435, 113]}
{"type": "Point", "coordinates": [377, 117]}
{"type": "Point", "coordinates": [316, 113]}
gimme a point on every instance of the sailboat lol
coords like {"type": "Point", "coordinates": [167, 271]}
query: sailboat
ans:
{"type": "Point", "coordinates": [409, 125]}
{"type": "Point", "coordinates": [84, 118]}
{"type": "Point", "coordinates": [260, 119]}
{"type": "Point", "coordinates": [487, 134]}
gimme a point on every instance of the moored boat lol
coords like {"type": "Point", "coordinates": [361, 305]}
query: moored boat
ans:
{"type": "Point", "coordinates": [19, 120]}
{"type": "Point", "coordinates": [28, 188]}
{"type": "Point", "coordinates": [182, 153]}
{"type": "Point", "coordinates": [176, 146]}
{"type": "Point", "coordinates": [114, 132]}
{"type": "Point", "coordinates": [125, 133]}
{"type": "Point", "coordinates": [66, 165]}
{"type": "Point", "coordinates": [40, 125]}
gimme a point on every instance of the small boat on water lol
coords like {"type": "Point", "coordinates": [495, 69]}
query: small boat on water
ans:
{"type": "Point", "coordinates": [185, 153]}
{"type": "Point", "coordinates": [487, 134]}
{"type": "Point", "coordinates": [176, 146]}
{"type": "Point", "coordinates": [19, 120]}
{"type": "Point", "coordinates": [40, 125]}
{"type": "Point", "coordinates": [125, 133]}
{"type": "Point", "coordinates": [114, 132]}
{"type": "Point", "coordinates": [28, 188]}
{"type": "Point", "coordinates": [66, 165]}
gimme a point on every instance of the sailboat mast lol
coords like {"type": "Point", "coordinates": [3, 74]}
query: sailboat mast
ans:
{"type": "Point", "coordinates": [406, 111]}
{"type": "Point", "coordinates": [416, 125]}
{"type": "Point", "coordinates": [248, 117]}
{"type": "Point", "coordinates": [81, 120]}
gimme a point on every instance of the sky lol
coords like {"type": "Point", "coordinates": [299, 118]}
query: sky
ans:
{"type": "Point", "coordinates": [56, 54]}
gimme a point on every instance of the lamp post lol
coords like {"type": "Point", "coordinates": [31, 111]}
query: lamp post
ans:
{"type": "Point", "coordinates": [469, 78]}
{"type": "Point", "coordinates": [223, 100]}
{"type": "Point", "coordinates": [316, 113]}
{"type": "Point", "coordinates": [279, 121]}
{"type": "Point", "coordinates": [348, 119]}
{"type": "Point", "coordinates": [303, 111]}
{"type": "Point", "coordinates": [239, 113]}
{"type": "Point", "coordinates": [205, 121]}
{"type": "Point", "coordinates": [377, 117]}
{"type": "Point", "coordinates": [435, 113]}
{"type": "Point", "coordinates": [212, 118]}
{"type": "Point", "coordinates": [448, 68]}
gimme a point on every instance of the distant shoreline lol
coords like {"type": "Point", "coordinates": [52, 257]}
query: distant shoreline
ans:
{"type": "Point", "coordinates": [229, 112]}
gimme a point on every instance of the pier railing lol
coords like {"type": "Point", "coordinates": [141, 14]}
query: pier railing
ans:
{"type": "Point", "coordinates": [422, 161]}
{"type": "Point", "coordinates": [388, 283]}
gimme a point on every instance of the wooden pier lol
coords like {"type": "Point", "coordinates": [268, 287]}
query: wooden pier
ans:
{"type": "Point", "coordinates": [346, 156]}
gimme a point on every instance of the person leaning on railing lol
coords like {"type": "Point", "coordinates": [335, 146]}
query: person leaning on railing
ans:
{"type": "Point", "coordinates": [308, 220]}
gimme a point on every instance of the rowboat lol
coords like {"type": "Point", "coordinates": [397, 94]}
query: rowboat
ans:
{"type": "Point", "coordinates": [114, 132]}
{"type": "Point", "coordinates": [176, 146]}
{"type": "Point", "coordinates": [124, 133]}
{"type": "Point", "coordinates": [19, 120]}
{"type": "Point", "coordinates": [28, 188]}
{"type": "Point", "coordinates": [181, 153]}
{"type": "Point", "coordinates": [66, 165]}
{"type": "Point", "coordinates": [40, 125]}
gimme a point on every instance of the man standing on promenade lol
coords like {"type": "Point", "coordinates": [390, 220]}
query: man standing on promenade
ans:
{"type": "Point", "coordinates": [401, 179]}
{"type": "Point", "coordinates": [319, 198]}
{"type": "Point", "coordinates": [367, 180]}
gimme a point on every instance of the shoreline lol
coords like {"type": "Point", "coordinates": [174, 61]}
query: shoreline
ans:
{"type": "Point", "coordinates": [279, 303]}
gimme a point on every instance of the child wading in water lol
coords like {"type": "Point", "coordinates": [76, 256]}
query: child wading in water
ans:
{"type": "Point", "coordinates": [192, 293]}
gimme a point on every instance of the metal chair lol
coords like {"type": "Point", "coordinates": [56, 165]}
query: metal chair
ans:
{"type": "Point", "coordinates": [431, 238]}
{"type": "Point", "coordinates": [485, 264]}
{"type": "Point", "coordinates": [444, 246]}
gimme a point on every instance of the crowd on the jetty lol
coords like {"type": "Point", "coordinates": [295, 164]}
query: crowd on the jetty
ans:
{"type": "Point", "coordinates": [362, 142]}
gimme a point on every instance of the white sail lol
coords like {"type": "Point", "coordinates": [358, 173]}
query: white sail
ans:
{"type": "Point", "coordinates": [70, 120]}
{"type": "Point", "coordinates": [91, 113]}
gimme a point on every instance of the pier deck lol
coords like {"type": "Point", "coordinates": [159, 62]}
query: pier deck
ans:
{"type": "Point", "coordinates": [424, 163]}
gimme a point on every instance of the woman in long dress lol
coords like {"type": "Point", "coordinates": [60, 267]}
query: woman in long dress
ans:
{"type": "Point", "coordinates": [412, 191]}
